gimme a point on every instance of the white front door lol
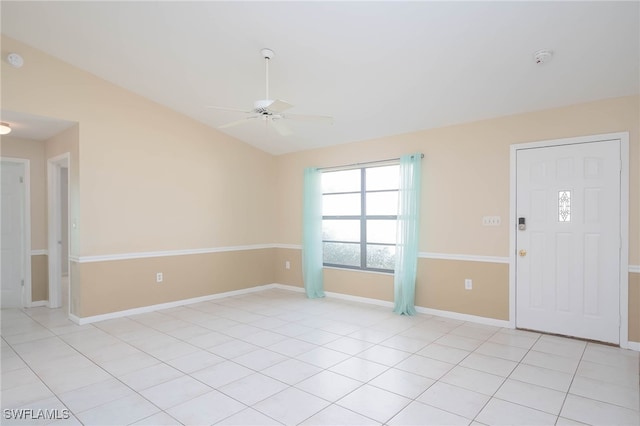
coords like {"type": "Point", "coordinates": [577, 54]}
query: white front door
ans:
{"type": "Point", "coordinates": [568, 255]}
{"type": "Point", "coordinates": [12, 229]}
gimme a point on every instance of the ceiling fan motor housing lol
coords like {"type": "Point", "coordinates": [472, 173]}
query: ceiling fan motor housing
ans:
{"type": "Point", "coordinates": [262, 106]}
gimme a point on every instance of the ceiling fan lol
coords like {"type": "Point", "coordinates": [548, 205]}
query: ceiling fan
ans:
{"type": "Point", "coordinates": [271, 111]}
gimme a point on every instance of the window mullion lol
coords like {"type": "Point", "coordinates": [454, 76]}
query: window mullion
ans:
{"type": "Point", "coordinates": [363, 219]}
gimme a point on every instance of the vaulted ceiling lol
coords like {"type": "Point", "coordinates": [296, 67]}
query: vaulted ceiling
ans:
{"type": "Point", "coordinates": [379, 68]}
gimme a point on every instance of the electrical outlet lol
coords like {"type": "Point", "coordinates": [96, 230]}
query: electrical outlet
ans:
{"type": "Point", "coordinates": [159, 277]}
{"type": "Point", "coordinates": [468, 284]}
{"type": "Point", "coordinates": [491, 220]}
{"type": "Point", "coordinates": [287, 265]}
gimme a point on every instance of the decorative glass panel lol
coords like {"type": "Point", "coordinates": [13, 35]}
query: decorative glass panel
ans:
{"type": "Point", "coordinates": [342, 254]}
{"type": "Point", "coordinates": [381, 257]}
{"type": "Point", "coordinates": [564, 206]}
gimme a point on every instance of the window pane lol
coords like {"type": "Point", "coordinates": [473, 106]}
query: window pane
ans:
{"type": "Point", "coordinates": [381, 257]}
{"type": "Point", "coordinates": [341, 230]}
{"type": "Point", "coordinates": [386, 177]}
{"type": "Point", "coordinates": [342, 181]}
{"type": "Point", "coordinates": [381, 231]}
{"type": "Point", "coordinates": [341, 254]}
{"type": "Point", "coordinates": [341, 205]}
{"type": "Point", "coordinates": [382, 203]}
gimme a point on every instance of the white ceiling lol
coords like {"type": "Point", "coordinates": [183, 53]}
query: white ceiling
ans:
{"type": "Point", "coordinates": [379, 68]}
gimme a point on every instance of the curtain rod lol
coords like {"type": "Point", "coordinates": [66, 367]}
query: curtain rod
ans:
{"type": "Point", "coordinates": [364, 163]}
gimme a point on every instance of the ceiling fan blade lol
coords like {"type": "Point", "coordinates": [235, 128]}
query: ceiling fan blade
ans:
{"type": "Point", "coordinates": [318, 118]}
{"type": "Point", "coordinates": [280, 127]}
{"type": "Point", "coordinates": [279, 106]}
{"type": "Point", "coordinates": [237, 122]}
{"type": "Point", "coordinates": [227, 109]}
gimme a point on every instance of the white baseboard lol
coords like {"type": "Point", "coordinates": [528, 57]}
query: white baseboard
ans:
{"type": "Point", "coordinates": [285, 287]}
{"type": "Point", "coordinates": [420, 309]}
{"type": "Point", "coordinates": [360, 299]}
{"type": "Point", "coordinates": [38, 303]}
{"type": "Point", "coordinates": [634, 346]}
{"type": "Point", "coordinates": [167, 305]}
{"type": "Point", "coordinates": [465, 317]}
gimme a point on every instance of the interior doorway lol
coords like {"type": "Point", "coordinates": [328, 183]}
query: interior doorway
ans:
{"type": "Point", "coordinates": [15, 259]}
{"type": "Point", "coordinates": [58, 212]}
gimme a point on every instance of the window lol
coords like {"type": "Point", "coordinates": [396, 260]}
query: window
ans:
{"type": "Point", "coordinates": [359, 212]}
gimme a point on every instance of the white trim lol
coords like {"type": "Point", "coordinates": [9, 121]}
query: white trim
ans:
{"type": "Point", "coordinates": [185, 252]}
{"type": "Point", "coordinates": [463, 257]}
{"type": "Point", "coordinates": [288, 246]}
{"type": "Point", "coordinates": [420, 309]}
{"type": "Point", "coordinates": [623, 137]}
{"type": "Point", "coordinates": [634, 269]}
{"type": "Point", "coordinates": [75, 259]}
{"type": "Point", "coordinates": [165, 253]}
{"type": "Point", "coordinates": [26, 231]}
{"type": "Point", "coordinates": [464, 317]}
{"type": "Point", "coordinates": [167, 305]}
{"type": "Point", "coordinates": [286, 287]}
{"type": "Point", "coordinates": [367, 300]}
{"type": "Point", "coordinates": [634, 346]}
{"type": "Point", "coordinates": [38, 303]}
{"type": "Point", "coordinates": [41, 252]}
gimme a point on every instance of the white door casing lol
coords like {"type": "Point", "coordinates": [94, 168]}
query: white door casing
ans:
{"type": "Point", "coordinates": [569, 266]}
{"type": "Point", "coordinates": [15, 260]}
{"type": "Point", "coordinates": [54, 166]}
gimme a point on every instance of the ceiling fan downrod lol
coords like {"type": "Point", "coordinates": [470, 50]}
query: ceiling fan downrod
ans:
{"type": "Point", "coordinates": [267, 54]}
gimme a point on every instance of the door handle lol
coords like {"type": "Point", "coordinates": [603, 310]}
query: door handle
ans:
{"type": "Point", "coordinates": [522, 253]}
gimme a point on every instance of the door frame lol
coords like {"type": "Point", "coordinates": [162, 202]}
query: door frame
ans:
{"type": "Point", "coordinates": [26, 229]}
{"type": "Point", "coordinates": [54, 165]}
{"type": "Point", "coordinates": [623, 137]}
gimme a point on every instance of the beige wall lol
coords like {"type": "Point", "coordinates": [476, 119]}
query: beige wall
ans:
{"type": "Point", "coordinates": [125, 284]}
{"type": "Point", "coordinates": [465, 177]}
{"type": "Point", "coordinates": [466, 172]}
{"type": "Point", "coordinates": [150, 179]}
{"type": "Point", "coordinates": [39, 278]}
{"type": "Point", "coordinates": [34, 151]}
{"type": "Point", "coordinates": [144, 178]}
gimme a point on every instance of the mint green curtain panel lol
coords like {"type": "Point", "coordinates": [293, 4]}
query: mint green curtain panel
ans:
{"type": "Point", "coordinates": [312, 234]}
{"type": "Point", "coordinates": [407, 235]}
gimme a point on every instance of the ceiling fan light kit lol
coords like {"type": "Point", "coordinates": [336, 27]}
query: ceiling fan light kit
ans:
{"type": "Point", "coordinates": [270, 110]}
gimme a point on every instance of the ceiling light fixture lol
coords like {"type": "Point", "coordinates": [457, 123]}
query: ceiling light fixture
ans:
{"type": "Point", "coordinates": [5, 128]}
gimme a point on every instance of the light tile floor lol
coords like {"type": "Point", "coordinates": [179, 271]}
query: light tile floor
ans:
{"type": "Point", "coordinates": [274, 357]}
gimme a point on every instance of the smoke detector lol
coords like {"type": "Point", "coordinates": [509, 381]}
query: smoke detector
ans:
{"type": "Point", "coordinates": [543, 56]}
{"type": "Point", "coordinates": [15, 60]}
